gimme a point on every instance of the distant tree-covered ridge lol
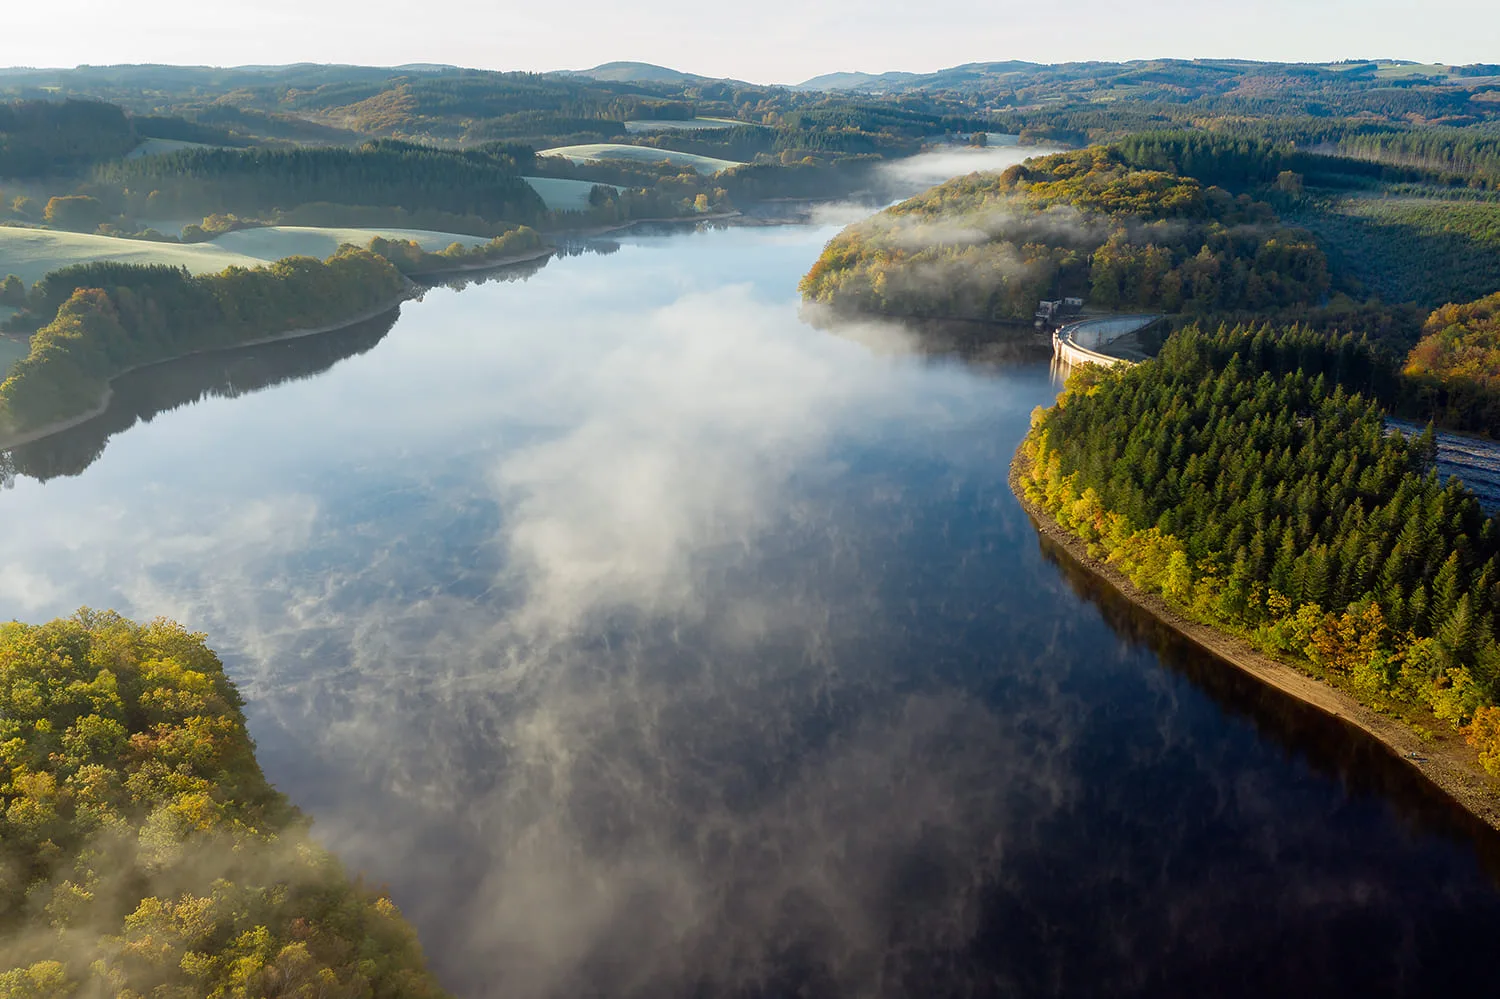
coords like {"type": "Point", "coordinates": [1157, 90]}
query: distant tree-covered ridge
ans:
{"type": "Point", "coordinates": [1245, 477]}
{"type": "Point", "coordinates": [483, 183]}
{"type": "Point", "coordinates": [103, 318]}
{"type": "Point", "coordinates": [143, 853]}
{"type": "Point", "coordinates": [989, 246]}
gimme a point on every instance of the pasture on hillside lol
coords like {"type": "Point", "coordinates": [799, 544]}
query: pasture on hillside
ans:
{"type": "Point", "coordinates": [640, 154]}
{"type": "Point", "coordinates": [276, 242]}
{"type": "Point", "coordinates": [31, 253]}
{"type": "Point", "coordinates": [561, 194]}
{"type": "Point", "coordinates": [681, 125]}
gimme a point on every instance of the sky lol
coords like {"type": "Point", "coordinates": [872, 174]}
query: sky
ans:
{"type": "Point", "coordinates": [770, 41]}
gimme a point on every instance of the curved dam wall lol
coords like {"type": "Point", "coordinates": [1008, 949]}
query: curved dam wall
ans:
{"type": "Point", "coordinates": [1080, 342]}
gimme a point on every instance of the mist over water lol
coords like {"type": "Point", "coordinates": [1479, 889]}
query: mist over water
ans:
{"type": "Point", "coordinates": [921, 172]}
{"type": "Point", "coordinates": [649, 642]}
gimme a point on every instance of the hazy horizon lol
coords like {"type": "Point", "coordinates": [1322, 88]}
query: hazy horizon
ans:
{"type": "Point", "coordinates": [778, 42]}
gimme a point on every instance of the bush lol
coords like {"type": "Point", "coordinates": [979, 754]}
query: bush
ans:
{"type": "Point", "coordinates": [75, 212]}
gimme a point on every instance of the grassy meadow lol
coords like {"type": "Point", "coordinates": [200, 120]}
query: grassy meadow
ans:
{"type": "Point", "coordinates": [639, 154]}
{"type": "Point", "coordinates": [561, 194]}
{"type": "Point", "coordinates": [276, 242]}
{"type": "Point", "coordinates": [31, 253]}
{"type": "Point", "coordinates": [680, 125]}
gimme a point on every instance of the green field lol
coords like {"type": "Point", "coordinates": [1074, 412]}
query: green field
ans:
{"type": "Point", "coordinates": [639, 154]}
{"type": "Point", "coordinates": [561, 195]}
{"type": "Point", "coordinates": [680, 125]}
{"type": "Point", "coordinates": [275, 242]}
{"type": "Point", "coordinates": [31, 253]}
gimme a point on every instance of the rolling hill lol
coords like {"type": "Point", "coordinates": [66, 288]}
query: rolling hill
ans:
{"type": "Point", "coordinates": [636, 72]}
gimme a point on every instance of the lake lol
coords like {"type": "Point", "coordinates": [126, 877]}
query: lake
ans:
{"type": "Point", "coordinates": [648, 640]}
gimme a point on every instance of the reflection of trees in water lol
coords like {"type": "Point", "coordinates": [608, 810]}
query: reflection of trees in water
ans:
{"type": "Point", "coordinates": [568, 247]}
{"type": "Point", "coordinates": [503, 273]}
{"type": "Point", "coordinates": [578, 247]}
{"type": "Point", "coordinates": [142, 395]}
{"type": "Point", "coordinates": [1330, 746]}
{"type": "Point", "coordinates": [967, 339]}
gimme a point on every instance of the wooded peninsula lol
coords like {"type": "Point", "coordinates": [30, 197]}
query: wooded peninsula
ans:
{"type": "Point", "coordinates": [1245, 476]}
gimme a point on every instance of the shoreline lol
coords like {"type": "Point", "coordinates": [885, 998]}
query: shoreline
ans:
{"type": "Point", "coordinates": [102, 406]}
{"type": "Point", "coordinates": [487, 265]}
{"type": "Point", "coordinates": [1447, 761]}
{"type": "Point", "coordinates": [590, 233]}
{"type": "Point", "coordinates": [412, 290]}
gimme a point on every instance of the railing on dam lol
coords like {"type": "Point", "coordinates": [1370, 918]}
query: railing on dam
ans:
{"type": "Point", "coordinates": [1075, 343]}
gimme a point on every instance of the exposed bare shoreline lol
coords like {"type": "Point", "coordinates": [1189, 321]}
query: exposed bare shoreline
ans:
{"type": "Point", "coordinates": [1446, 761]}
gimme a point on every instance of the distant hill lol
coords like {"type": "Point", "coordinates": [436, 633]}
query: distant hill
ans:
{"type": "Point", "coordinates": [855, 81]}
{"type": "Point", "coordinates": [636, 72]}
{"type": "Point", "coordinates": [894, 82]}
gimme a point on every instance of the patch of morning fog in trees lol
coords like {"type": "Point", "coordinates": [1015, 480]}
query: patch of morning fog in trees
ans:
{"type": "Point", "coordinates": [897, 180]}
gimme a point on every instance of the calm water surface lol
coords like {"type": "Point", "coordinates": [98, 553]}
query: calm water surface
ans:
{"type": "Point", "coordinates": [648, 641]}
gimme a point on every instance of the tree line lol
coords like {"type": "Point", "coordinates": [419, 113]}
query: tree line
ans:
{"type": "Point", "coordinates": [1244, 477]}
{"type": "Point", "coordinates": [101, 318]}
{"type": "Point", "coordinates": [484, 183]}
{"type": "Point", "coordinates": [38, 138]}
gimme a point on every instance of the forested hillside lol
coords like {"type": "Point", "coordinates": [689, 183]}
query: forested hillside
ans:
{"type": "Point", "coordinates": [484, 184]}
{"type": "Point", "coordinates": [144, 853]}
{"type": "Point", "coordinates": [1411, 243]}
{"type": "Point", "coordinates": [44, 137]}
{"type": "Point", "coordinates": [989, 246]}
{"type": "Point", "coordinates": [451, 106]}
{"type": "Point", "coordinates": [1245, 477]}
{"type": "Point", "coordinates": [101, 319]}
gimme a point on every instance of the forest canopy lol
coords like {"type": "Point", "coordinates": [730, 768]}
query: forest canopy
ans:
{"type": "Point", "coordinates": [42, 137]}
{"type": "Point", "coordinates": [1454, 372]}
{"type": "Point", "coordinates": [484, 183]}
{"type": "Point", "coordinates": [143, 853]}
{"type": "Point", "coordinates": [990, 246]}
{"type": "Point", "coordinates": [1248, 478]}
